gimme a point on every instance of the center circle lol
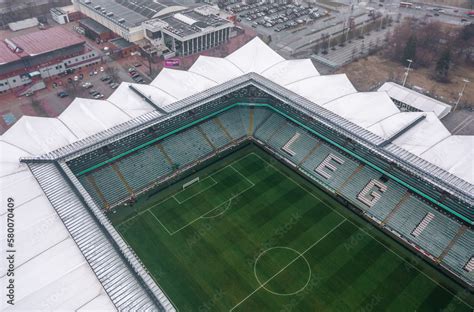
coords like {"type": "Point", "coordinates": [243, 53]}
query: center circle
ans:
{"type": "Point", "coordinates": [293, 262]}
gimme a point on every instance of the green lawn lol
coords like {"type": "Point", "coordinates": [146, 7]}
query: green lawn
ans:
{"type": "Point", "coordinates": [252, 235]}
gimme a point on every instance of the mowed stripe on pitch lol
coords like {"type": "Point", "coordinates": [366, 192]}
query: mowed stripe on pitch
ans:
{"type": "Point", "coordinates": [209, 265]}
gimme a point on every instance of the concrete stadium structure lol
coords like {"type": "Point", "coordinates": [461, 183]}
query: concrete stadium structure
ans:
{"type": "Point", "coordinates": [403, 171]}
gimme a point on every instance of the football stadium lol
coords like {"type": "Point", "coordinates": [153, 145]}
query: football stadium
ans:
{"type": "Point", "coordinates": [247, 183]}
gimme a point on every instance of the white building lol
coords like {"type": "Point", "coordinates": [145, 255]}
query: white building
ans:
{"type": "Point", "coordinates": [189, 31]}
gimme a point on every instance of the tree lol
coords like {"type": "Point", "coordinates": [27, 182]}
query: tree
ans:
{"type": "Point", "coordinates": [112, 71]}
{"type": "Point", "coordinates": [442, 66]}
{"type": "Point", "coordinates": [36, 105]}
{"type": "Point", "coordinates": [409, 52]}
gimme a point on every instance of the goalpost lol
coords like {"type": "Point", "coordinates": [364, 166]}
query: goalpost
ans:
{"type": "Point", "coordinates": [195, 180]}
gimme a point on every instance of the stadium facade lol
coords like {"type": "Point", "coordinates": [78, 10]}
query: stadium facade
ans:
{"type": "Point", "coordinates": [402, 171]}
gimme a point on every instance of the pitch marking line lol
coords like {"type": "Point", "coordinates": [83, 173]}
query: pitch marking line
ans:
{"type": "Point", "coordinates": [299, 255]}
{"type": "Point", "coordinates": [364, 231]}
{"type": "Point", "coordinates": [195, 194]}
{"type": "Point", "coordinates": [166, 229]}
{"type": "Point", "coordinates": [262, 285]}
{"type": "Point", "coordinates": [204, 216]}
{"type": "Point", "coordinates": [218, 206]}
{"type": "Point", "coordinates": [171, 196]}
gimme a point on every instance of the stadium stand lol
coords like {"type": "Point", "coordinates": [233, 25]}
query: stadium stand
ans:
{"type": "Point", "coordinates": [215, 134]}
{"type": "Point", "coordinates": [232, 123]}
{"type": "Point", "coordinates": [136, 167]}
{"type": "Point", "coordinates": [109, 184]}
{"type": "Point", "coordinates": [186, 147]}
{"type": "Point", "coordinates": [460, 253]}
{"type": "Point", "coordinates": [420, 176]}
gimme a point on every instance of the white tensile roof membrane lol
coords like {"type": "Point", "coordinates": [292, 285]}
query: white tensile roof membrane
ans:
{"type": "Point", "coordinates": [322, 89]}
{"type": "Point", "coordinates": [50, 271]}
{"type": "Point", "coordinates": [180, 84]}
{"type": "Point", "coordinates": [51, 265]}
{"type": "Point", "coordinates": [255, 56]}
{"type": "Point", "coordinates": [415, 99]}
{"type": "Point", "coordinates": [290, 71]}
{"type": "Point", "coordinates": [85, 117]}
{"type": "Point", "coordinates": [354, 107]}
{"type": "Point", "coordinates": [216, 69]}
{"type": "Point", "coordinates": [425, 134]}
{"type": "Point", "coordinates": [454, 154]}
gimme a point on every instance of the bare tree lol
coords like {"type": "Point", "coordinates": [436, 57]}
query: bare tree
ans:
{"type": "Point", "coordinates": [112, 71]}
{"type": "Point", "coordinates": [36, 105]}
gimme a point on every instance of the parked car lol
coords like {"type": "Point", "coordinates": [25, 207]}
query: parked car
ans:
{"type": "Point", "coordinates": [105, 78]}
{"type": "Point", "coordinates": [62, 94]}
{"type": "Point", "coordinates": [98, 96]}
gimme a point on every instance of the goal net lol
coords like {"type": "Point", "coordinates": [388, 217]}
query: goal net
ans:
{"type": "Point", "coordinates": [195, 180]}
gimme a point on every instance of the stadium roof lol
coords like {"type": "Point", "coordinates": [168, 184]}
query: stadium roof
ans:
{"type": "Point", "coordinates": [38, 42]}
{"type": "Point", "coordinates": [52, 263]}
{"type": "Point", "coordinates": [415, 99]}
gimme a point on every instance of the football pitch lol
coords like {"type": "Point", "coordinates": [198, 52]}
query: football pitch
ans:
{"type": "Point", "coordinates": [251, 235]}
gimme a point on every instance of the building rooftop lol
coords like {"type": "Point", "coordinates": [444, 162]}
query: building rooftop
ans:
{"type": "Point", "coordinates": [93, 25]}
{"type": "Point", "coordinates": [116, 11]}
{"type": "Point", "coordinates": [121, 43]}
{"type": "Point", "coordinates": [415, 99]}
{"type": "Point", "coordinates": [36, 43]}
{"type": "Point", "coordinates": [193, 21]}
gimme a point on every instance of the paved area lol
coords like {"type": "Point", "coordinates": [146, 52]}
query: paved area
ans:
{"type": "Point", "coordinates": [460, 122]}
{"type": "Point", "coordinates": [46, 103]}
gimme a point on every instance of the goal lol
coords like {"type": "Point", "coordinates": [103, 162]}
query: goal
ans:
{"type": "Point", "coordinates": [195, 180]}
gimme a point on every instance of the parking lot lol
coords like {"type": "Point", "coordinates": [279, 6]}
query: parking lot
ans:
{"type": "Point", "coordinates": [275, 16]}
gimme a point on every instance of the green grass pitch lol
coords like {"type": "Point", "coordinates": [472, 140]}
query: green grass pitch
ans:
{"type": "Point", "coordinates": [252, 235]}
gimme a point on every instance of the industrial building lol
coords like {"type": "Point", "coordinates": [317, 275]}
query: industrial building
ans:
{"type": "Point", "coordinates": [189, 31]}
{"type": "Point", "coordinates": [28, 58]}
{"type": "Point", "coordinates": [119, 19]}
{"type": "Point", "coordinates": [179, 29]}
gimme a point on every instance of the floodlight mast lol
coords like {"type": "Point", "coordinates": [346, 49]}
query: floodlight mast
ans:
{"type": "Point", "coordinates": [461, 93]}
{"type": "Point", "coordinates": [406, 73]}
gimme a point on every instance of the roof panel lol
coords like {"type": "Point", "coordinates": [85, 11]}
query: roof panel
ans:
{"type": "Point", "coordinates": [322, 89]}
{"type": "Point", "coordinates": [9, 158]}
{"type": "Point", "coordinates": [393, 124]}
{"type": "Point", "coordinates": [415, 99]}
{"type": "Point", "coordinates": [452, 154]}
{"type": "Point", "coordinates": [255, 56]}
{"type": "Point", "coordinates": [181, 84]}
{"type": "Point", "coordinates": [85, 117]}
{"type": "Point", "coordinates": [290, 71]}
{"type": "Point", "coordinates": [423, 135]}
{"type": "Point", "coordinates": [47, 40]}
{"type": "Point", "coordinates": [363, 108]}
{"type": "Point", "coordinates": [132, 103]}
{"type": "Point", "coordinates": [39, 135]}
{"type": "Point", "coordinates": [215, 68]}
